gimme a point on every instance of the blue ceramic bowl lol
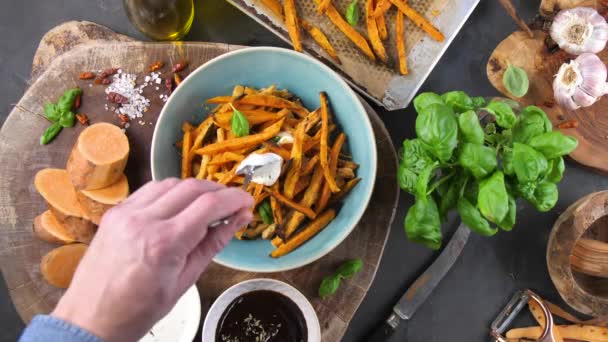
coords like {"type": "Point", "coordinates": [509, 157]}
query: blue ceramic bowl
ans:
{"type": "Point", "coordinates": [303, 76]}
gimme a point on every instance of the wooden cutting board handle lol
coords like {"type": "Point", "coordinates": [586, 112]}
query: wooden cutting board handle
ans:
{"type": "Point", "coordinates": [582, 292]}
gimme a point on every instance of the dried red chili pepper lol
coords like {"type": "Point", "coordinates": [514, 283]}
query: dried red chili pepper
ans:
{"type": "Point", "coordinates": [82, 118]}
{"type": "Point", "coordinates": [179, 66]}
{"type": "Point", "coordinates": [169, 84]}
{"type": "Point", "coordinates": [109, 72]}
{"type": "Point", "coordinates": [124, 120]}
{"type": "Point", "coordinates": [117, 98]}
{"type": "Point", "coordinates": [87, 75]}
{"type": "Point", "coordinates": [568, 124]}
{"type": "Point", "coordinates": [156, 66]}
{"type": "Point", "coordinates": [77, 101]}
{"type": "Point", "coordinates": [177, 79]}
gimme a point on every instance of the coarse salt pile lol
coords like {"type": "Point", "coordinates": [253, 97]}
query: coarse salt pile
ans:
{"type": "Point", "coordinates": [125, 84]}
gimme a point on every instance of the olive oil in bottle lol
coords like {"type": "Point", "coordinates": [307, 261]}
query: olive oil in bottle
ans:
{"type": "Point", "coordinates": [161, 19]}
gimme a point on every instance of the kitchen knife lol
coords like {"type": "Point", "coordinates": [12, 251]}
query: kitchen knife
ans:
{"type": "Point", "coordinates": [422, 287]}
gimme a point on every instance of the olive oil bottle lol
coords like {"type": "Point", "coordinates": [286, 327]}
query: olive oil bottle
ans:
{"type": "Point", "coordinates": [161, 19]}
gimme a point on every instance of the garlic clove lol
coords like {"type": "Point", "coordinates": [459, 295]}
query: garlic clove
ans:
{"type": "Point", "coordinates": [579, 30]}
{"type": "Point", "coordinates": [594, 73]}
{"type": "Point", "coordinates": [583, 99]}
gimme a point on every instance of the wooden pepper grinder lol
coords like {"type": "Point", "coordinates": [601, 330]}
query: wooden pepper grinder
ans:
{"type": "Point", "coordinates": [577, 254]}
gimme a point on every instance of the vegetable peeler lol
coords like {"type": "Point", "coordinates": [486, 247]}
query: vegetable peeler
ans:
{"type": "Point", "coordinates": [513, 308]}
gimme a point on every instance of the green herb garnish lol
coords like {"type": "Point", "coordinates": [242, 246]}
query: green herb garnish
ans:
{"type": "Point", "coordinates": [60, 114]}
{"type": "Point", "coordinates": [265, 212]}
{"type": "Point", "coordinates": [352, 13]}
{"type": "Point", "coordinates": [480, 170]}
{"type": "Point", "coordinates": [516, 81]}
{"type": "Point", "coordinates": [239, 123]}
{"type": "Point", "coordinates": [330, 284]}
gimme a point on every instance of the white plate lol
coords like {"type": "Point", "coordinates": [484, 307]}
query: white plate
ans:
{"type": "Point", "coordinates": [181, 323]}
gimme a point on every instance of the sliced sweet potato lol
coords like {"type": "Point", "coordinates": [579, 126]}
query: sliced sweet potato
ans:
{"type": "Point", "coordinates": [55, 187]}
{"type": "Point", "coordinates": [95, 203]}
{"type": "Point", "coordinates": [99, 157]}
{"type": "Point", "coordinates": [49, 229]}
{"type": "Point", "coordinates": [59, 265]}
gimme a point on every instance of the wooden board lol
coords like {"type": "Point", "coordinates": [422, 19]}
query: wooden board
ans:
{"type": "Point", "coordinates": [532, 55]}
{"type": "Point", "coordinates": [77, 46]}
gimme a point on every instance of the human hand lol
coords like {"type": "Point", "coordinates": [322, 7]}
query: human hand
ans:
{"type": "Point", "coordinates": [147, 252]}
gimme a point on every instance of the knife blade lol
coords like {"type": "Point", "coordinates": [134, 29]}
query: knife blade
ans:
{"type": "Point", "coordinates": [419, 291]}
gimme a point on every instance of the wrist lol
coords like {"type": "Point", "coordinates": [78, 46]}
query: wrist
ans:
{"type": "Point", "coordinates": [81, 315]}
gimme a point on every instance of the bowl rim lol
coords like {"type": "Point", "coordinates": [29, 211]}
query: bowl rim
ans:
{"type": "Point", "coordinates": [366, 122]}
{"type": "Point", "coordinates": [218, 307]}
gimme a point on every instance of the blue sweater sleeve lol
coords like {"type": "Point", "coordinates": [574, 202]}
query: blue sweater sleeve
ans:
{"type": "Point", "coordinates": [45, 328]}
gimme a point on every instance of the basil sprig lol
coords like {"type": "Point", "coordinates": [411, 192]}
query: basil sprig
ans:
{"type": "Point", "coordinates": [352, 13]}
{"type": "Point", "coordinates": [239, 123]}
{"type": "Point", "coordinates": [60, 114]}
{"type": "Point", "coordinates": [265, 212]}
{"type": "Point", "coordinates": [330, 284]}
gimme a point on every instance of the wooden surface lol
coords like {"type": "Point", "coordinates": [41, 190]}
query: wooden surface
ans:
{"type": "Point", "coordinates": [78, 46]}
{"type": "Point", "coordinates": [532, 55]}
{"type": "Point", "coordinates": [584, 293]}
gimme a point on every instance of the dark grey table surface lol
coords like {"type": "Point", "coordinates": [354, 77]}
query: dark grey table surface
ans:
{"type": "Point", "coordinates": [489, 270]}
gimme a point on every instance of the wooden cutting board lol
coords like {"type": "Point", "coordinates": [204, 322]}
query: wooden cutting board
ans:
{"type": "Point", "coordinates": [73, 47]}
{"type": "Point", "coordinates": [532, 55]}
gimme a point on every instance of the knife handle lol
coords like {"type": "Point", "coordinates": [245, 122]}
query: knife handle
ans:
{"type": "Point", "coordinates": [381, 333]}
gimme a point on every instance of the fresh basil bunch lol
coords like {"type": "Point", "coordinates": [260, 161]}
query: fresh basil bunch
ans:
{"type": "Point", "coordinates": [480, 170]}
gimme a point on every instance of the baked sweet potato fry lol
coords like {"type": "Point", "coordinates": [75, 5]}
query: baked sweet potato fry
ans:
{"type": "Point", "coordinates": [348, 186]}
{"type": "Point", "coordinates": [372, 32]}
{"type": "Point", "coordinates": [275, 7]}
{"type": "Point", "coordinates": [419, 20]}
{"type": "Point", "coordinates": [310, 165]}
{"type": "Point", "coordinates": [186, 164]}
{"type": "Point", "coordinates": [307, 232]}
{"type": "Point", "coordinates": [382, 30]}
{"type": "Point", "coordinates": [263, 101]}
{"type": "Point", "coordinates": [322, 5]}
{"type": "Point", "coordinates": [321, 39]}
{"type": "Point", "coordinates": [255, 117]}
{"type": "Point", "coordinates": [293, 205]}
{"type": "Point", "coordinates": [400, 38]}
{"type": "Point", "coordinates": [382, 6]}
{"type": "Point", "coordinates": [333, 165]}
{"type": "Point", "coordinates": [352, 34]}
{"type": "Point", "coordinates": [242, 142]}
{"type": "Point", "coordinates": [293, 24]}
{"type": "Point", "coordinates": [323, 155]}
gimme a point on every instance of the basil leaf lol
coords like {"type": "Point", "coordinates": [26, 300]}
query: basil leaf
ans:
{"type": "Point", "coordinates": [505, 117]}
{"type": "Point", "coordinates": [50, 133]}
{"type": "Point", "coordinates": [528, 164]}
{"type": "Point", "coordinates": [407, 179]}
{"type": "Point", "coordinates": [66, 101]}
{"type": "Point", "coordinates": [426, 99]}
{"type": "Point", "coordinates": [553, 144]}
{"type": "Point", "coordinates": [480, 160]}
{"type": "Point", "coordinates": [329, 286]}
{"type": "Point", "coordinates": [450, 199]}
{"type": "Point", "coordinates": [349, 268]}
{"type": "Point", "coordinates": [507, 162]}
{"type": "Point", "coordinates": [458, 100]}
{"type": "Point", "coordinates": [545, 196]}
{"type": "Point", "coordinates": [51, 112]}
{"type": "Point", "coordinates": [414, 159]}
{"type": "Point", "coordinates": [239, 123]}
{"type": "Point", "coordinates": [473, 219]}
{"type": "Point", "coordinates": [516, 81]}
{"type": "Point", "coordinates": [555, 171]}
{"type": "Point", "coordinates": [422, 223]}
{"type": "Point", "coordinates": [532, 122]}
{"type": "Point", "coordinates": [526, 190]}
{"type": "Point", "coordinates": [352, 13]}
{"type": "Point", "coordinates": [436, 126]}
{"type": "Point", "coordinates": [470, 128]}
{"type": "Point", "coordinates": [67, 119]}
{"type": "Point", "coordinates": [471, 191]}
{"type": "Point", "coordinates": [493, 200]}
{"type": "Point", "coordinates": [479, 101]}
{"type": "Point", "coordinates": [509, 221]}
{"type": "Point", "coordinates": [276, 139]}
{"type": "Point", "coordinates": [423, 180]}
{"type": "Point", "coordinates": [265, 212]}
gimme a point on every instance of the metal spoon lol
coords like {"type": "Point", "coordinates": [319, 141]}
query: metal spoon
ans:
{"type": "Point", "coordinates": [248, 172]}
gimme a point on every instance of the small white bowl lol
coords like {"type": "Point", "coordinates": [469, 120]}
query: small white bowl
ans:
{"type": "Point", "coordinates": [222, 302]}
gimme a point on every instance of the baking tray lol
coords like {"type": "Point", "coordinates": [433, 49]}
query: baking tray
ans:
{"type": "Point", "coordinates": [381, 84]}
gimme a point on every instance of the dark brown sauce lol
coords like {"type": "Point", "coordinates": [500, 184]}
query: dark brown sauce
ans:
{"type": "Point", "coordinates": [263, 316]}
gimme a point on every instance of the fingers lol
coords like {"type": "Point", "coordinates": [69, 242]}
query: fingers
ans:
{"type": "Point", "coordinates": [150, 192]}
{"type": "Point", "coordinates": [193, 221]}
{"type": "Point", "coordinates": [181, 196]}
{"type": "Point", "coordinates": [215, 240]}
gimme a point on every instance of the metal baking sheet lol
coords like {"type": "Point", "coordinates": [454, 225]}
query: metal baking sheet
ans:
{"type": "Point", "coordinates": [382, 84]}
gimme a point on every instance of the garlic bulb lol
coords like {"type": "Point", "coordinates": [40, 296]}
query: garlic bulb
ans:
{"type": "Point", "coordinates": [581, 82]}
{"type": "Point", "coordinates": [580, 30]}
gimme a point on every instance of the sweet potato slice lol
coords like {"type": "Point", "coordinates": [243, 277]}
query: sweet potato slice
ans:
{"type": "Point", "coordinates": [59, 265]}
{"type": "Point", "coordinates": [95, 203]}
{"type": "Point", "coordinates": [293, 24]}
{"type": "Point", "coordinates": [49, 229]}
{"type": "Point", "coordinates": [99, 157]}
{"type": "Point", "coordinates": [55, 187]}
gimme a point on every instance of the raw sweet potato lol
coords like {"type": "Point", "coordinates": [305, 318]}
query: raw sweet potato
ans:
{"type": "Point", "coordinates": [95, 203]}
{"type": "Point", "coordinates": [55, 187]}
{"type": "Point", "coordinates": [49, 229]}
{"type": "Point", "coordinates": [99, 157]}
{"type": "Point", "coordinates": [59, 265]}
